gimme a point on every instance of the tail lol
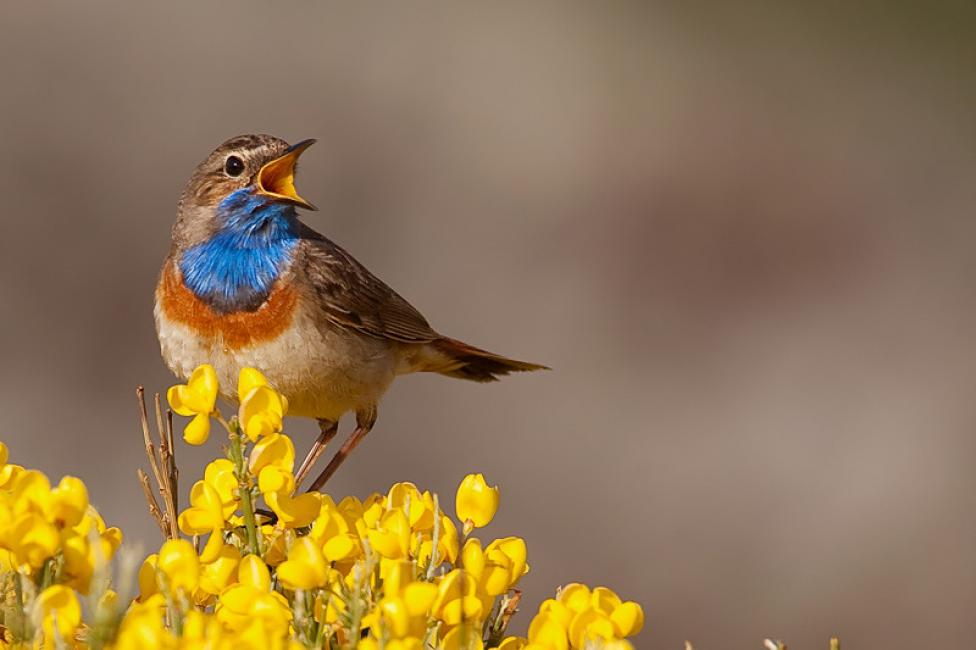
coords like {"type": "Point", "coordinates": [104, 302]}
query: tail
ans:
{"type": "Point", "coordinates": [457, 359]}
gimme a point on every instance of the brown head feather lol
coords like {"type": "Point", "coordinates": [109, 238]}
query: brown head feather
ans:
{"type": "Point", "coordinates": [209, 184]}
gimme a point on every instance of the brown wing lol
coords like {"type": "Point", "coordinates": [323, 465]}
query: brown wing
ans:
{"type": "Point", "coordinates": [350, 296]}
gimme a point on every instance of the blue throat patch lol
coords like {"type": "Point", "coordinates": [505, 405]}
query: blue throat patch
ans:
{"type": "Point", "coordinates": [237, 267]}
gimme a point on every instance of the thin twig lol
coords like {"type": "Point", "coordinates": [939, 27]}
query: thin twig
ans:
{"type": "Point", "coordinates": [147, 436]}
{"type": "Point", "coordinates": [174, 470]}
{"type": "Point", "coordinates": [510, 608]}
{"type": "Point", "coordinates": [151, 502]}
{"type": "Point", "coordinates": [163, 465]}
{"type": "Point", "coordinates": [167, 487]}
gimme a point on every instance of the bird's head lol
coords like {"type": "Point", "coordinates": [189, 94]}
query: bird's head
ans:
{"type": "Point", "coordinates": [243, 185]}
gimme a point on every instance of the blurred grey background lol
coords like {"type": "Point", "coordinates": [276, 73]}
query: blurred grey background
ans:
{"type": "Point", "coordinates": [742, 235]}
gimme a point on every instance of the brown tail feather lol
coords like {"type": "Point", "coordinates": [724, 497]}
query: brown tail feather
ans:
{"type": "Point", "coordinates": [468, 362]}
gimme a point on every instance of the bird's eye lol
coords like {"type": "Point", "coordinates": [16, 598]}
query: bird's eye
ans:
{"type": "Point", "coordinates": [233, 166]}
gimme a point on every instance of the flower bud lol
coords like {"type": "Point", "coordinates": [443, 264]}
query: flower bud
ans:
{"type": "Point", "coordinates": [476, 502]}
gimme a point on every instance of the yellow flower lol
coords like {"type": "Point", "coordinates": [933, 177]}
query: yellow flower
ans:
{"type": "Point", "coordinates": [457, 599]}
{"type": "Point", "coordinates": [476, 502]}
{"type": "Point", "coordinates": [361, 563]}
{"type": "Point", "coordinates": [497, 568]}
{"type": "Point", "coordinates": [69, 502]}
{"type": "Point", "coordinates": [31, 492]}
{"type": "Point", "coordinates": [248, 380]}
{"type": "Point", "coordinates": [220, 476]}
{"type": "Point", "coordinates": [558, 611]}
{"type": "Point", "coordinates": [262, 408]}
{"type": "Point", "coordinates": [403, 610]}
{"type": "Point", "coordinates": [373, 508]}
{"type": "Point", "coordinates": [212, 502]}
{"type": "Point", "coordinates": [206, 515]}
{"type": "Point", "coordinates": [276, 539]}
{"type": "Point", "coordinates": [180, 566]}
{"type": "Point", "coordinates": [581, 617]}
{"type": "Point", "coordinates": [331, 530]}
{"type": "Point", "coordinates": [273, 450]}
{"type": "Point", "coordinates": [272, 461]}
{"type": "Point", "coordinates": [9, 473]}
{"type": "Point", "coordinates": [547, 632]}
{"type": "Point", "coordinates": [251, 599]}
{"type": "Point", "coordinates": [142, 627]}
{"type": "Point", "coordinates": [278, 486]}
{"type": "Point", "coordinates": [93, 522]}
{"type": "Point", "coordinates": [197, 398]}
{"type": "Point", "coordinates": [391, 538]}
{"type": "Point", "coordinates": [217, 575]}
{"type": "Point", "coordinates": [617, 644]}
{"type": "Point", "coordinates": [148, 582]}
{"type": "Point", "coordinates": [305, 567]}
{"type": "Point", "coordinates": [604, 600]}
{"type": "Point", "coordinates": [58, 613]}
{"type": "Point", "coordinates": [82, 555]}
{"type": "Point", "coordinates": [590, 624]}
{"type": "Point", "coordinates": [421, 506]}
{"type": "Point", "coordinates": [575, 596]}
{"type": "Point", "coordinates": [473, 558]}
{"type": "Point", "coordinates": [504, 565]}
{"type": "Point", "coordinates": [447, 543]}
{"type": "Point", "coordinates": [253, 572]}
{"type": "Point", "coordinates": [628, 619]}
{"type": "Point", "coordinates": [463, 637]}
{"type": "Point", "coordinates": [32, 540]}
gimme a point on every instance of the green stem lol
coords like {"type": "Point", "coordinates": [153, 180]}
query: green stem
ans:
{"type": "Point", "coordinates": [19, 629]}
{"type": "Point", "coordinates": [46, 575]}
{"type": "Point", "coordinates": [249, 522]}
{"type": "Point", "coordinates": [435, 542]}
{"type": "Point", "coordinates": [356, 610]}
{"type": "Point", "coordinates": [244, 488]}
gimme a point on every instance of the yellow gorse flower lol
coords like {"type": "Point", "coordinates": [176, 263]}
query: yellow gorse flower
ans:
{"type": "Point", "coordinates": [476, 503]}
{"type": "Point", "coordinates": [45, 529]}
{"type": "Point", "coordinates": [251, 600]}
{"type": "Point", "coordinates": [305, 567]}
{"type": "Point", "coordinates": [262, 408]}
{"type": "Point", "coordinates": [581, 618]}
{"type": "Point", "coordinates": [218, 574]}
{"type": "Point", "coordinates": [58, 614]}
{"type": "Point", "coordinates": [197, 398]}
{"type": "Point", "coordinates": [178, 567]}
{"type": "Point", "coordinates": [272, 460]}
{"type": "Point", "coordinates": [264, 567]}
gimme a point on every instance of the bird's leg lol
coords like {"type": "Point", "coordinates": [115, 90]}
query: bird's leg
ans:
{"type": "Point", "coordinates": [364, 422]}
{"type": "Point", "coordinates": [327, 431]}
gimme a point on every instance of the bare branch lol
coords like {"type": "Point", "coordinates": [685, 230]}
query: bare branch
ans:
{"type": "Point", "coordinates": [163, 465]}
{"type": "Point", "coordinates": [151, 502]}
{"type": "Point", "coordinates": [147, 436]}
{"type": "Point", "coordinates": [167, 486]}
{"type": "Point", "coordinates": [510, 608]}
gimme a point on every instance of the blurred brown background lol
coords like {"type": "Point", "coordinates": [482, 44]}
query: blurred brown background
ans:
{"type": "Point", "coordinates": [742, 236]}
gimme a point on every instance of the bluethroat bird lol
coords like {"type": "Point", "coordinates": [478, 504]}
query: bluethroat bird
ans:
{"type": "Point", "coordinates": [246, 284]}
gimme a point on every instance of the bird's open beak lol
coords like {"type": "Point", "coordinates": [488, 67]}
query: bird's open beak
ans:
{"type": "Point", "coordinates": [277, 178]}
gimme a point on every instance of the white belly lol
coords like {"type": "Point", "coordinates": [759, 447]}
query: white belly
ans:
{"type": "Point", "coordinates": [323, 371]}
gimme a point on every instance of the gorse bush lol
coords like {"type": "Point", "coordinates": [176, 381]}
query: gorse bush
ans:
{"type": "Point", "coordinates": [251, 563]}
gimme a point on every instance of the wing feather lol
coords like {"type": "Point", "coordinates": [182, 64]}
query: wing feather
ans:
{"type": "Point", "coordinates": [352, 297]}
